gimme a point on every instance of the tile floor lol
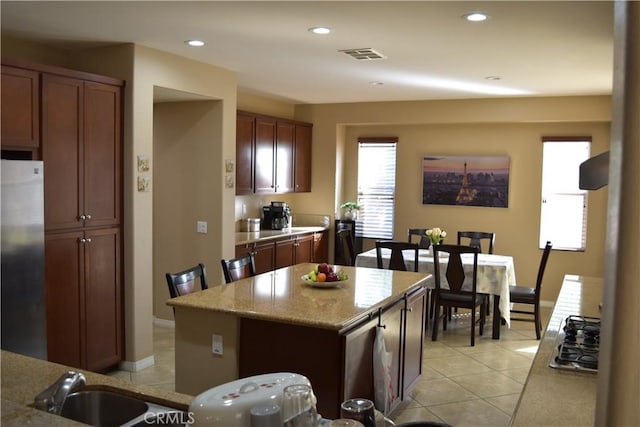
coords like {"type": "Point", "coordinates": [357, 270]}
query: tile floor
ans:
{"type": "Point", "coordinates": [461, 385]}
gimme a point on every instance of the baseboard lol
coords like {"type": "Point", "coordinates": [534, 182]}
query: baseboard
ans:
{"type": "Point", "coordinates": [164, 323]}
{"type": "Point", "coordinates": [138, 365]}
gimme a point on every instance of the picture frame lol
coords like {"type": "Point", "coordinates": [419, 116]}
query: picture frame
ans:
{"type": "Point", "coordinates": [466, 181]}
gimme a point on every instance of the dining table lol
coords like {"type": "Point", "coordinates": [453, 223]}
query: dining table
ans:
{"type": "Point", "coordinates": [495, 274]}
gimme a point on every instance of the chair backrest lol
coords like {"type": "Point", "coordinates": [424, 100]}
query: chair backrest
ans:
{"type": "Point", "coordinates": [345, 243]}
{"type": "Point", "coordinates": [476, 238]}
{"type": "Point", "coordinates": [396, 260]}
{"type": "Point", "coordinates": [543, 265]}
{"type": "Point", "coordinates": [183, 283]}
{"type": "Point", "coordinates": [238, 268]}
{"type": "Point", "coordinates": [424, 241]}
{"type": "Point", "coordinates": [455, 269]}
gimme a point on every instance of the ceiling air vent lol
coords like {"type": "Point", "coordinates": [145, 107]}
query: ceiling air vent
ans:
{"type": "Point", "coordinates": [363, 54]}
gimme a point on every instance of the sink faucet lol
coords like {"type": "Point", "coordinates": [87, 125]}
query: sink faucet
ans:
{"type": "Point", "coordinates": [52, 399]}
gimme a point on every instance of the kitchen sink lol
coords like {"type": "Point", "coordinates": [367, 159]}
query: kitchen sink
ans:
{"type": "Point", "coordinates": [112, 407]}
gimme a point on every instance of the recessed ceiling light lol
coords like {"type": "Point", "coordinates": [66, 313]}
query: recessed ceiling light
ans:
{"type": "Point", "coordinates": [376, 83]}
{"type": "Point", "coordinates": [195, 43]}
{"type": "Point", "coordinates": [493, 78]}
{"type": "Point", "coordinates": [320, 30]}
{"type": "Point", "coordinates": [476, 16]}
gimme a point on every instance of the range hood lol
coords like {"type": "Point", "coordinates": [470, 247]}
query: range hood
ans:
{"type": "Point", "coordinates": [594, 173]}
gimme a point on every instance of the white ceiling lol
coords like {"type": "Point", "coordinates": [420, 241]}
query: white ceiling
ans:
{"type": "Point", "coordinates": [537, 48]}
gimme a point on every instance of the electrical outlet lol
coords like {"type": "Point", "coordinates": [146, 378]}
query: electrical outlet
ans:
{"type": "Point", "coordinates": [202, 227]}
{"type": "Point", "coordinates": [216, 344]}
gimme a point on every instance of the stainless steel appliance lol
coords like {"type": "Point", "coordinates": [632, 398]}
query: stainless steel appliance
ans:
{"type": "Point", "coordinates": [276, 216]}
{"type": "Point", "coordinates": [23, 291]}
{"type": "Point", "coordinates": [578, 344]}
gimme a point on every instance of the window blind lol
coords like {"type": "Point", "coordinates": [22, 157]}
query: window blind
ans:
{"type": "Point", "coordinates": [376, 187]}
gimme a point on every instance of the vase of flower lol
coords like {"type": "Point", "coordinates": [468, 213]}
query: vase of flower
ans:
{"type": "Point", "coordinates": [350, 210]}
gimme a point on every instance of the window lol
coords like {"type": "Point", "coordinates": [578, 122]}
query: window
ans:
{"type": "Point", "coordinates": [376, 187]}
{"type": "Point", "coordinates": [563, 213]}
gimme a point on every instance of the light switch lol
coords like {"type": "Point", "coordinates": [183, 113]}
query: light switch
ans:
{"type": "Point", "coordinates": [216, 344]}
{"type": "Point", "coordinates": [202, 227]}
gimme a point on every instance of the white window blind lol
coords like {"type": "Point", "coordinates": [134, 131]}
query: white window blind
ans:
{"type": "Point", "coordinates": [563, 213]}
{"type": "Point", "coordinates": [376, 187]}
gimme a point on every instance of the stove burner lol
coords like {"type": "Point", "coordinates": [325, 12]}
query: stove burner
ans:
{"type": "Point", "coordinates": [579, 342]}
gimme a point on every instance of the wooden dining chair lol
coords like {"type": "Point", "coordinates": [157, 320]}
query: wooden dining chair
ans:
{"type": "Point", "coordinates": [396, 259]}
{"type": "Point", "coordinates": [183, 283]}
{"type": "Point", "coordinates": [238, 268]}
{"type": "Point", "coordinates": [423, 240]}
{"type": "Point", "coordinates": [345, 246]}
{"type": "Point", "coordinates": [454, 295]}
{"type": "Point", "coordinates": [476, 238]}
{"type": "Point", "coordinates": [531, 296]}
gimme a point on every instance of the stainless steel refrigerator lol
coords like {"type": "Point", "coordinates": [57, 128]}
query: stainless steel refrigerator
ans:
{"type": "Point", "coordinates": [24, 326]}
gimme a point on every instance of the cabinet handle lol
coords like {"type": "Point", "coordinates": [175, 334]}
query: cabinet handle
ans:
{"type": "Point", "coordinates": [83, 217]}
{"type": "Point", "coordinates": [88, 239]}
{"type": "Point", "coordinates": [88, 216]}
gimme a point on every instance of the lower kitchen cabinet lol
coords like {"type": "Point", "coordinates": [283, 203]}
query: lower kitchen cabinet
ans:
{"type": "Point", "coordinates": [84, 298]}
{"type": "Point", "coordinates": [294, 250]}
{"type": "Point", "coordinates": [263, 255]}
{"type": "Point", "coordinates": [320, 247]}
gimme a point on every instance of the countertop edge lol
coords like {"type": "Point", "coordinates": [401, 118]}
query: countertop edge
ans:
{"type": "Point", "coordinates": [243, 238]}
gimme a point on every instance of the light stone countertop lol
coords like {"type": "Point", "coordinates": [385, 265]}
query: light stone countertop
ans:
{"type": "Point", "coordinates": [23, 378]}
{"type": "Point", "coordinates": [555, 397]}
{"type": "Point", "coordinates": [282, 296]}
{"type": "Point", "coordinates": [243, 237]}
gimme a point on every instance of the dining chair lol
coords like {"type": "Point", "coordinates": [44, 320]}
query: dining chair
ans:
{"type": "Point", "coordinates": [238, 268]}
{"type": "Point", "coordinates": [454, 295]}
{"type": "Point", "coordinates": [183, 283]}
{"type": "Point", "coordinates": [345, 244]}
{"type": "Point", "coordinates": [531, 296]}
{"type": "Point", "coordinates": [475, 239]}
{"type": "Point", "coordinates": [396, 259]}
{"type": "Point", "coordinates": [423, 241]}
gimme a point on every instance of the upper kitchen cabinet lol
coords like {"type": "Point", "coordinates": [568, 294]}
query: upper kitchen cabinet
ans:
{"type": "Point", "coordinates": [273, 155]}
{"type": "Point", "coordinates": [81, 134]}
{"type": "Point", "coordinates": [20, 110]}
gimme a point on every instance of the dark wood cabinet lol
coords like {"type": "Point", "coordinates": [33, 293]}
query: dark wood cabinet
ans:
{"type": "Point", "coordinates": [245, 137]}
{"type": "Point", "coordinates": [84, 292]}
{"type": "Point", "coordinates": [20, 109]}
{"type": "Point", "coordinates": [81, 152]}
{"type": "Point", "coordinates": [263, 253]}
{"type": "Point", "coordinates": [273, 155]}
{"type": "Point", "coordinates": [414, 329]}
{"type": "Point", "coordinates": [302, 160]}
{"type": "Point", "coordinates": [78, 116]}
{"type": "Point", "coordinates": [294, 250]}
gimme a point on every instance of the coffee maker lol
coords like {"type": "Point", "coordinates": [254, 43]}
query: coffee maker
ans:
{"type": "Point", "coordinates": [276, 216]}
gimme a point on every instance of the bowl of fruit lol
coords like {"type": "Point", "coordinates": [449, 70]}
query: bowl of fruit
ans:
{"type": "Point", "coordinates": [325, 276]}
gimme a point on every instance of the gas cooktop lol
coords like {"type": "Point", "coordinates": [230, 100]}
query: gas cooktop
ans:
{"type": "Point", "coordinates": [578, 344]}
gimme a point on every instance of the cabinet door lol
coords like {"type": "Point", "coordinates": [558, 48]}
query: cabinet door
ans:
{"type": "Point", "coordinates": [302, 163]}
{"type": "Point", "coordinates": [392, 320]}
{"type": "Point", "coordinates": [285, 253]}
{"type": "Point", "coordinates": [284, 157]}
{"type": "Point", "coordinates": [264, 256]}
{"type": "Point", "coordinates": [102, 157]}
{"type": "Point", "coordinates": [304, 248]}
{"type": "Point", "coordinates": [102, 299]}
{"type": "Point", "coordinates": [62, 149]}
{"type": "Point", "coordinates": [245, 133]}
{"type": "Point", "coordinates": [264, 161]}
{"type": "Point", "coordinates": [20, 108]}
{"type": "Point", "coordinates": [413, 340]}
{"type": "Point", "coordinates": [64, 279]}
{"type": "Point", "coordinates": [320, 247]}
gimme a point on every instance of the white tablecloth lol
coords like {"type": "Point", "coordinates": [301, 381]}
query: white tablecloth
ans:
{"type": "Point", "coordinates": [495, 272]}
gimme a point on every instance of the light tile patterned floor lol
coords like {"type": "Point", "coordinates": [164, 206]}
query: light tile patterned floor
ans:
{"type": "Point", "coordinates": [461, 385]}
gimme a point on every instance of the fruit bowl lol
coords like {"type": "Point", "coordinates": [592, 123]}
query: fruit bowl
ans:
{"type": "Point", "coordinates": [305, 279]}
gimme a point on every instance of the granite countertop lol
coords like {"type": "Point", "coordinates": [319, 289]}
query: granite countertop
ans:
{"type": "Point", "coordinates": [543, 401]}
{"type": "Point", "coordinates": [23, 378]}
{"type": "Point", "coordinates": [282, 296]}
{"type": "Point", "coordinates": [243, 237]}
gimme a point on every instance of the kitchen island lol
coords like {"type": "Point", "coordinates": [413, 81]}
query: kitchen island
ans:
{"type": "Point", "coordinates": [554, 397]}
{"type": "Point", "coordinates": [274, 322]}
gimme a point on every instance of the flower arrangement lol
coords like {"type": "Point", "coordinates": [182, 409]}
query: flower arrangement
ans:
{"type": "Point", "coordinates": [351, 208]}
{"type": "Point", "coordinates": [436, 235]}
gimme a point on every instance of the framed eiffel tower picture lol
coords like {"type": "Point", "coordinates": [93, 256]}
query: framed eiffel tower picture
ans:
{"type": "Point", "coordinates": [466, 181]}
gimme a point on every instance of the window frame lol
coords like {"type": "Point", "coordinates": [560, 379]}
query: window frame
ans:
{"type": "Point", "coordinates": [378, 226]}
{"type": "Point", "coordinates": [555, 192]}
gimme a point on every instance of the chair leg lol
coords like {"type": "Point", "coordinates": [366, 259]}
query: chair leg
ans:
{"type": "Point", "coordinates": [436, 318]}
{"type": "Point", "coordinates": [536, 319]}
{"type": "Point", "coordinates": [473, 325]}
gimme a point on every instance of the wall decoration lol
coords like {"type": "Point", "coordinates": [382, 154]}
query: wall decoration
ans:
{"type": "Point", "coordinates": [143, 164]}
{"type": "Point", "coordinates": [143, 184]}
{"type": "Point", "coordinates": [466, 181]}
